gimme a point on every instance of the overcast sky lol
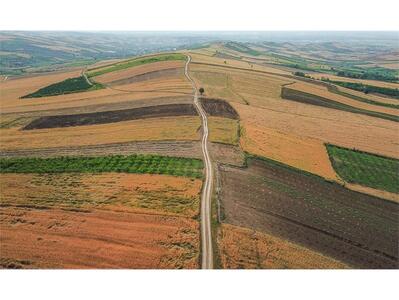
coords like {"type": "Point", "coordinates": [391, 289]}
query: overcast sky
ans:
{"type": "Point", "coordinates": [199, 15]}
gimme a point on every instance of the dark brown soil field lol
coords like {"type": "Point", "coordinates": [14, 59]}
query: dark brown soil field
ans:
{"type": "Point", "coordinates": [219, 108]}
{"type": "Point", "coordinates": [307, 98]}
{"type": "Point", "coordinates": [148, 76]}
{"type": "Point", "coordinates": [354, 228]}
{"type": "Point", "coordinates": [112, 116]}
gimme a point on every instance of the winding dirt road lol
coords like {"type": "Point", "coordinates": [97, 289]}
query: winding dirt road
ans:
{"type": "Point", "coordinates": [206, 230]}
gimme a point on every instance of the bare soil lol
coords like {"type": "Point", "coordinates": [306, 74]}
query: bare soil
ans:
{"type": "Point", "coordinates": [112, 116]}
{"type": "Point", "coordinates": [219, 108]}
{"type": "Point", "coordinates": [357, 229]}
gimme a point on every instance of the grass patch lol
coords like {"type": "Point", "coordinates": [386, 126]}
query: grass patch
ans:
{"type": "Point", "coordinates": [223, 130]}
{"type": "Point", "coordinates": [365, 168]}
{"type": "Point", "coordinates": [135, 62]}
{"type": "Point", "coordinates": [145, 164]}
{"type": "Point", "coordinates": [68, 86]}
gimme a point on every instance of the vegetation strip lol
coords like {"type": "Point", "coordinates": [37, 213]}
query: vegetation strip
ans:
{"type": "Point", "coordinates": [307, 98]}
{"type": "Point", "coordinates": [68, 86]}
{"type": "Point", "coordinates": [135, 62]}
{"type": "Point", "coordinates": [151, 164]}
{"type": "Point", "coordinates": [364, 168]}
{"type": "Point", "coordinates": [366, 88]}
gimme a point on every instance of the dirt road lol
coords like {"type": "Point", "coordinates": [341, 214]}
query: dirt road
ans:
{"type": "Point", "coordinates": [206, 232]}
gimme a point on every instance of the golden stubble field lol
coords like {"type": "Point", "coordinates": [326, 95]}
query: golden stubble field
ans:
{"type": "Point", "coordinates": [99, 221]}
{"type": "Point", "coordinates": [244, 248]}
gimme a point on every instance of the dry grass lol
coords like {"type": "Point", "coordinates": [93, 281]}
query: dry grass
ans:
{"type": "Point", "coordinates": [100, 220]}
{"type": "Point", "coordinates": [155, 129]}
{"type": "Point", "coordinates": [391, 85]}
{"type": "Point", "coordinates": [198, 58]}
{"type": "Point", "coordinates": [99, 239]}
{"type": "Point", "coordinates": [240, 86]}
{"type": "Point", "coordinates": [323, 92]}
{"type": "Point", "coordinates": [330, 126]}
{"type": "Point", "coordinates": [243, 248]}
{"type": "Point", "coordinates": [300, 152]}
{"type": "Point", "coordinates": [161, 194]}
{"type": "Point", "coordinates": [223, 130]}
{"type": "Point", "coordinates": [369, 96]}
{"type": "Point", "coordinates": [130, 72]}
{"type": "Point", "coordinates": [15, 88]}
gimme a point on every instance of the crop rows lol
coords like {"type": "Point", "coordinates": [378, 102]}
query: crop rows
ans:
{"type": "Point", "coordinates": [365, 168]}
{"type": "Point", "coordinates": [68, 86]}
{"type": "Point", "coordinates": [134, 63]}
{"type": "Point", "coordinates": [150, 164]}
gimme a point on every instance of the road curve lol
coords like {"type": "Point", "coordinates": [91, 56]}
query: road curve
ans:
{"type": "Point", "coordinates": [206, 230]}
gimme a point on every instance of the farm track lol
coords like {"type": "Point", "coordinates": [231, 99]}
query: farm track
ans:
{"type": "Point", "coordinates": [206, 230]}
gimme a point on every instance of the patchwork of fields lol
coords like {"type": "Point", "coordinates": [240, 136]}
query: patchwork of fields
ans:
{"type": "Point", "coordinates": [101, 167]}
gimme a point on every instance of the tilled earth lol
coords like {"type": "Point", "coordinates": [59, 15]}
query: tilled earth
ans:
{"type": "Point", "coordinates": [354, 228]}
{"type": "Point", "coordinates": [112, 116]}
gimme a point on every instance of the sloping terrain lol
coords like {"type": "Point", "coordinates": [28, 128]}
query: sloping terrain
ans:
{"type": "Point", "coordinates": [311, 212]}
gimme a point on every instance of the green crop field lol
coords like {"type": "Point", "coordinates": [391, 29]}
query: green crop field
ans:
{"type": "Point", "coordinates": [150, 164]}
{"type": "Point", "coordinates": [68, 86]}
{"type": "Point", "coordinates": [135, 62]}
{"type": "Point", "coordinates": [365, 168]}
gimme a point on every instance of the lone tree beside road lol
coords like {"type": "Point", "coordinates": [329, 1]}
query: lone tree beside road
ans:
{"type": "Point", "coordinates": [201, 90]}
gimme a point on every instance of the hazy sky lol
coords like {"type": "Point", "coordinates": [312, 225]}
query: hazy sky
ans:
{"type": "Point", "coordinates": [199, 15]}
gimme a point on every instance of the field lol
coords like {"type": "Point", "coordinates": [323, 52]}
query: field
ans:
{"type": "Point", "coordinates": [303, 153]}
{"type": "Point", "coordinates": [244, 248]}
{"type": "Point", "coordinates": [133, 63]}
{"type": "Point", "coordinates": [304, 96]}
{"type": "Point", "coordinates": [112, 116]}
{"type": "Point", "coordinates": [368, 134]}
{"type": "Point", "coordinates": [365, 168]}
{"type": "Point", "coordinates": [305, 170]}
{"type": "Point", "coordinates": [110, 220]}
{"type": "Point", "coordinates": [68, 86]}
{"type": "Point", "coordinates": [151, 164]}
{"type": "Point", "coordinates": [309, 211]}
{"type": "Point", "coordinates": [178, 128]}
{"type": "Point", "coordinates": [366, 88]}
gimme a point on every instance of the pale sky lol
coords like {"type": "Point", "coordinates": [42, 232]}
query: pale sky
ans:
{"type": "Point", "coordinates": [199, 15]}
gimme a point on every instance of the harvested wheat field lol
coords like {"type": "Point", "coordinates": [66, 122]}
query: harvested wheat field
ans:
{"type": "Point", "coordinates": [240, 86]}
{"type": "Point", "coordinates": [300, 152]}
{"type": "Point", "coordinates": [244, 248]}
{"type": "Point", "coordinates": [15, 88]}
{"type": "Point", "coordinates": [330, 126]}
{"type": "Point", "coordinates": [111, 77]}
{"type": "Point", "coordinates": [230, 63]}
{"type": "Point", "coordinates": [99, 239]}
{"type": "Point", "coordinates": [323, 92]}
{"type": "Point", "coordinates": [391, 85]}
{"type": "Point", "coordinates": [99, 221]}
{"type": "Point", "coordinates": [154, 129]}
{"type": "Point", "coordinates": [382, 100]}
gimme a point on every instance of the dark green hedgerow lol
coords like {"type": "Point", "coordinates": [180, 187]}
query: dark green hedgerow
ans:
{"type": "Point", "coordinates": [150, 164]}
{"type": "Point", "coordinates": [366, 169]}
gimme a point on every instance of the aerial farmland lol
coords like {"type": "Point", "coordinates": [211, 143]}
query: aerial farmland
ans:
{"type": "Point", "coordinates": [225, 155]}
